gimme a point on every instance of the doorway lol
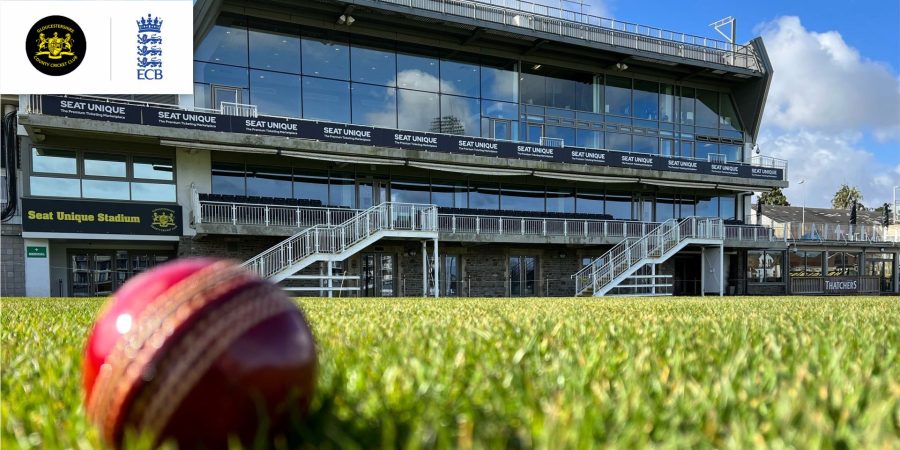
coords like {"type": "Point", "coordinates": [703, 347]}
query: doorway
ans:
{"type": "Point", "coordinates": [643, 208]}
{"type": "Point", "coordinates": [371, 192]}
{"type": "Point", "coordinates": [687, 274]}
{"type": "Point", "coordinates": [99, 273]}
{"type": "Point", "coordinates": [227, 94]}
{"type": "Point", "coordinates": [522, 276]}
{"type": "Point", "coordinates": [378, 275]}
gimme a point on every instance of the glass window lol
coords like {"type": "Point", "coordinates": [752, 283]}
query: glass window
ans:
{"type": "Point", "coordinates": [326, 99]}
{"type": "Point", "coordinates": [275, 94]}
{"type": "Point", "coordinates": [226, 43]}
{"type": "Point", "coordinates": [704, 149]}
{"type": "Point", "coordinates": [228, 179]}
{"type": "Point", "coordinates": [707, 108]}
{"type": "Point", "coordinates": [55, 187]}
{"type": "Point", "coordinates": [53, 161]}
{"type": "Point", "coordinates": [667, 147]}
{"type": "Point", "coordinates": [275, 46]}
{"type": "Point", "coordinates": [589, 202]}
{"type": "Point", "coordinates": [418, 72]}
{"type": "Point", "coordinates": [727, 207]}
{"type": "Point", "coordinates": [688, 206]}
{"type": "Point", "coordinates": [586, 97]}
{"type": "Point", "coordinates": [153, 168]}
{"type": "Point", "coordinates": [202, 94]}
{"type": "Point", "coordinates": [560, 200]}
{"type": "Point", "coordinates": [101, 165]}
{"type": "Point", "coordinates": [687, 149]}
{"type": "Point", "coordinates": [619, 206]}
{"type": "Point", "coordinates": [522, 199]}
{"type": "Point", "coordinates": [484, 197]}
{"type": "Point", "coordinates": [533, 89]}
{"type": "Point", "coordinates": [646, 100]}
{"type": "Point", "coordinates": [410, 191]}
{"type": "Point", "coordinates": [565, 134]}
{"type": "Point", "coordinates": [153, 192]}
{"type": "Point", "coordinates": [269, 182]}
{"type": "Point", "coordinates": [459, 78]}
{"type": "Point", "coordinates": [342, 190]}
{"type": "Point", "coordinates": [618, 96]}
{"type": "Point", "coordinates": [560, 93]}
{"type": "Point", "coordinates": [311, 186]}
{"type": "Point", "coordinates": [731, 152]}
{"type": "Point", "coordinates": [449, 194]}
{"type": "Point", "coordinates": [765, 267]}
{"type": "Point", "coordinates": [707, 206]}
{"type": "Point", "coordinates": [646, 144]}
{"type": "Point", "coordinates": [666, 102]}
{"type": "Point", "coordinates": [618, 141]}
{"type": "Point", "coordinates": [418, 111]}
{"type": "Point", "coordinates": [728, 119]}
{"type": "Point", "coordinates": [686, 111]}
{"type": "Point", "coordinates": [589, 138]}
{"type": "Point", "coordinates": [113, 190]}
{"type": "Point", "coordinates": [500, 110]}
{"type": "Point", "coordinates": [851, 264]}
{"type": "Point", "coordinates": [374, 105]}
{"type": "Point", "coordinates": [460, 115]}
{"type": "Point", "coordinates": [326, 58]}
{"type": "Point", "coordinates": [222, 75]}
{"type": "Point", "coordinates": [500, 83]}
{"type": "Point", "coordinates": [665, 208]}
{"type": "Point", "coordinates": [373, 65]}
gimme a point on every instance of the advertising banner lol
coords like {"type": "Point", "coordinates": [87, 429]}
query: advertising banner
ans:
{"type": "Point", "coordinates": [82, 216]}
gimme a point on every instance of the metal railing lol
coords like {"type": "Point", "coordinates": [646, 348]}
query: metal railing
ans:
{"type": "Point", "coordinates": [603, 271]}
{"type": "Point", "coordinates": [587, 27]}
{"type": "Point", "coordinates": [540, 226]}
{"type": "Point", "coordinates": [833, 232]}
{"type": "Point", "coordinates": [224, 213]}
{"type": "Point", "coordinates": [336, 239]}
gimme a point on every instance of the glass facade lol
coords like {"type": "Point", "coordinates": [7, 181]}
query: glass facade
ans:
{"type": "Point", "coordinates": [765, 266]}
{"type": "Point", "coordinates": [294, 71]}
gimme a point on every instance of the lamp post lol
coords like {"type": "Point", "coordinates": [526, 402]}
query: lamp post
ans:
{"type": "Point", "coordinates": [803, 210]}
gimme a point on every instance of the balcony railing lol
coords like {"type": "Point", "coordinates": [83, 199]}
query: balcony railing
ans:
{"type": "Point", "coordinates": [571, 24]}
{"type": "Point", "coordinates": [833, 232]}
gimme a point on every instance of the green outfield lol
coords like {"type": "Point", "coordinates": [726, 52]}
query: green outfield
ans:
{"type": "Point", "coordinates": [776, 372]}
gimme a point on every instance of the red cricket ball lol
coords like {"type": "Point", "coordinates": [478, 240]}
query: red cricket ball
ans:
{"type": "Point", "coordinates": [198, 350]}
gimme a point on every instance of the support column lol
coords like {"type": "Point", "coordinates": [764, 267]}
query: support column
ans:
{"type": "Point", "coordinates": [330, 280]}
{"type": "Point", "coordinates": [721, 270]}
{"type": "Point", "coordinates": [437, 271]}
{"type": "Point", "coordinates": [653, 280]}
{"type": "Point", "coordinates": [702, 274]}
{"type": "Point", "coordinates": [424, 269]}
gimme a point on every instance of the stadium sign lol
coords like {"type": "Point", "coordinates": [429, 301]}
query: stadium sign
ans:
{"type": "Point", "coordinates": [95, 109]}
{"type": "Point", "coordinates": [78, 216]}
{"type": "Point", "coordinates": [841, 285]}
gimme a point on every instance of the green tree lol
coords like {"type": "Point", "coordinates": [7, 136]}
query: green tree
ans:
{"type": "Point", "coordinates": [774, 197]}
{"type": "Point", "coordinates": [844, 197]}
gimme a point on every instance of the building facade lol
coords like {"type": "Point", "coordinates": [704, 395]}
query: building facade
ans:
{"type": "Point", "coordinates": [533, 151]}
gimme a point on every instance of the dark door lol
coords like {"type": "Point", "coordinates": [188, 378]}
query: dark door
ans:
{"type": "Point", "coordinates": [687, 275]}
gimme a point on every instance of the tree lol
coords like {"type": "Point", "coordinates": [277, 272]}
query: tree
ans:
{"type": "Point", "coordinates": [844, 197]}
{"type": "Point", "coordinates": [774, 197]}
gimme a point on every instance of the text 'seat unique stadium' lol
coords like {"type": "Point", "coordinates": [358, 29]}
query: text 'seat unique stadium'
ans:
{"type": "Point", "coordinates": [428, 147]}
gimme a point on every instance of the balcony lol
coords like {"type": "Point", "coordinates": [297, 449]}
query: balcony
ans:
{"type": "Point", "coordinates": [558, 21]}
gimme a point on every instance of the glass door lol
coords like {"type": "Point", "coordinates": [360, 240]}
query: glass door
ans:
{"type": "Point", "coordinates": [643, 208]}
{"type": "Point", "coordinates": [227, 94]}
{"type": "Point", "coordinates": [81, 275]}
{"type": "Point", "coordinates": [522, 276]}
{"type": "Point", "coordinates": [501, 129]}
{"type": "Point", "coordinates": [378, 275]}
{"type": "Point", "coordinates": [450, 276]}
{"type": "Point", "coordinates": [371, 192]}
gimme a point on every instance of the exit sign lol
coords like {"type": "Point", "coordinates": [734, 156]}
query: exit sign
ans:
{"type": "Point", "coordinates": [36, 252]}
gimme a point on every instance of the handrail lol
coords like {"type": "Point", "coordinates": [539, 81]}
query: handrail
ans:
{"type": "Point", "coordinates": [833, 232]}
{"type": "Point", "coordinates": [334, 239]}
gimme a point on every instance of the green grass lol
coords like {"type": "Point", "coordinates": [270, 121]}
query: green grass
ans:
{"type": "Point", "coordinates": [535, 373]}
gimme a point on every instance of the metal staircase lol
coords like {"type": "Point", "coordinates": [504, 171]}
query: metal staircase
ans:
{"type": "Point", "coordinates": [606, 274]}
{"type": "Point", "coordinates": [338, 242]}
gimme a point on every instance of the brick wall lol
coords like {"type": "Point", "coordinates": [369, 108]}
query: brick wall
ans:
{"type": "Point", "coordinates": [12, 255]}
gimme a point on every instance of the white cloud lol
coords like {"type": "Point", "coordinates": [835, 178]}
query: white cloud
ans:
{"type": "Point", "coordinates": [822, 83]}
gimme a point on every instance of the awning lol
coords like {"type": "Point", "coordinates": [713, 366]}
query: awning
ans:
{"type": "Point", "coordinates": [584, 178]}
{"type": "Point", "coordinates": [343, 158]}
{"type": "Point", "coordinates": [678, 184]}
{"type": "Point", "coordinates": [219, 147]}
{"type": "Point", "coordinates": [470, 170]}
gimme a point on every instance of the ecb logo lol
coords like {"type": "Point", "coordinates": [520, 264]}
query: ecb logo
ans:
{"type": "Point", "coordinates": [149, 48]}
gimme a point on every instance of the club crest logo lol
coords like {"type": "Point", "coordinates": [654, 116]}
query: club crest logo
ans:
{"type": "Point", "coordinates": [55, 45]}
{"type": "Point", "coordinates": [163, 220]}
{"type": "Point", "coordinates": [149, 48]}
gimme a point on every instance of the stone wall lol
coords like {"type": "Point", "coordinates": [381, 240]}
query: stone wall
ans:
{"type": "Point", "coordinates": [12, 246]}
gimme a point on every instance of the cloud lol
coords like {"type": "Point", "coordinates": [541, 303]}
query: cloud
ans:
{"type": "Point", "coordinates": [821, 83]}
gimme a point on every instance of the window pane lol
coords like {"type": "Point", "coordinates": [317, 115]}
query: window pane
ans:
{"type": "Point", "coordinates": [499, 84]}
{"type": "Point", "coordinates": [851, 264]}
{"type": "Point", "coordinates": [707, 206]}
{"type": "Point", "coordinates": [704, 149]}
{"type": "Point", "coordinates": [534, 90]}
{"type": "Point", "coordinates": [115, 190]}
{"type": "Point", "coordinates": [589, 203]}
{"type": "Point", "coordinates": [202, 95]}
{"type": "Point", "coordinates": [342, 190]}
{"type": "Point", "coordinates": [500, 110]}
{"type": "Point", "coordinates": [459, 115]}
{"type": "Point", "coordinates": [325, 58]}
{"type": "Point", "coordinates": [219, 74]}
{"type": "Point", "coordinates": [585, 94]}
{"type": "Point", "coordinates": [814, 263]}
{"type": "Point", "coordinates": [459, 78]}
{"type": "Point", "coordinates": [373, 65]}
{"type": "Point", "coordinates": [153, 192]}
{"type": "Point", "coordinates": [275, 94]}
{"type": "Point", "coordinates": [618, 141]}
{"type": "Point", "coordinates": [410, 191]}
{"type": "Point", "coordinates": [646, 144]}
{"type": "Point", "coordinates": [665, 208]}
{"type": "Point", "coordinates": [522, 199]}
{"type": "Point", "coordinates": [311, 186]}
{"type": "Point", "coordinates": [666, 103]}
{"type": "Point", "coordinates": [418, 111]}
{"type": "Point", "coordinates": [567, 135]}
{"type": "Point", "coordinates": [560, 200]}
{"type": "Point", "coordinates": [686, 111]}
{"type": "Point", "coordinates": [418, 72]}
{"type": "Point", "coordinates": [646, 100]}
{"type": "Point", "coordinates": [688, 206]}
{"type": "Point", "coordinates": [269, 182]}
{"type": "Point", "coordinates": [618, 96]}
{"type": "Point", "coordinates": [756, 266]}
{"type": "Point", "coordinates": [731, 152]}
{"type": "Point", "coordinates": [560, 93]}
{"type": "Point", "coordinates": [55, 187]}
{"type": "Point", "coordinates": [226, 43]}
{"type": "Point", "coordinates": [687, 149]}
{"type": "Point", "coordinates": [667, 147]}
{"type": "Point", "coordinates": [53, 161]}
{"type": "Point", "coordinates": [589, 138]}
{"type": "Point", "coordinates": [153, 168]}
{"type": "Point", "coordinates": [619, 206]}
{"type": "Point", "coordinates": [774, 267]}
{"type": "Point", "coordinates": [449, 194]}
{"type": "Point", "coordinates": [728, 119]}
{"type": "Point", "coordinates": [275, 46]}
{"type": "Point", "coordinates": [707, 108]}
{"type": "Point", "coordinates": [835, 264]}
{"type": "Point", "coordinates": [485, 197]}
{"type": "Point", "coordinates": [104, 165]}
{"type": "Point", "coordinates": [228, 179]}
{"type": "Point", "coordinates": [326, 99]}
{"type": "Point", "coordinates": [374, 105]}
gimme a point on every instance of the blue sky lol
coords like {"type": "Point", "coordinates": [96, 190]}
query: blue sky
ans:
{"type": "Point", "coordinates": [834, 107]}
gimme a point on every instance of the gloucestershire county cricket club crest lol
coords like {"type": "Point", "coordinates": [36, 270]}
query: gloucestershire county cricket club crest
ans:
{"type": "Point", "coordinates": [163, 220]}
{"type": "Point", "coordinates": [55, 45]}
{"type": "Point", "coordinates": [149, 48]}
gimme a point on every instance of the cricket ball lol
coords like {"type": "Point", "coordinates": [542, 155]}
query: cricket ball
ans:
{"type": "Point", "coordinates": [198, 351]}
